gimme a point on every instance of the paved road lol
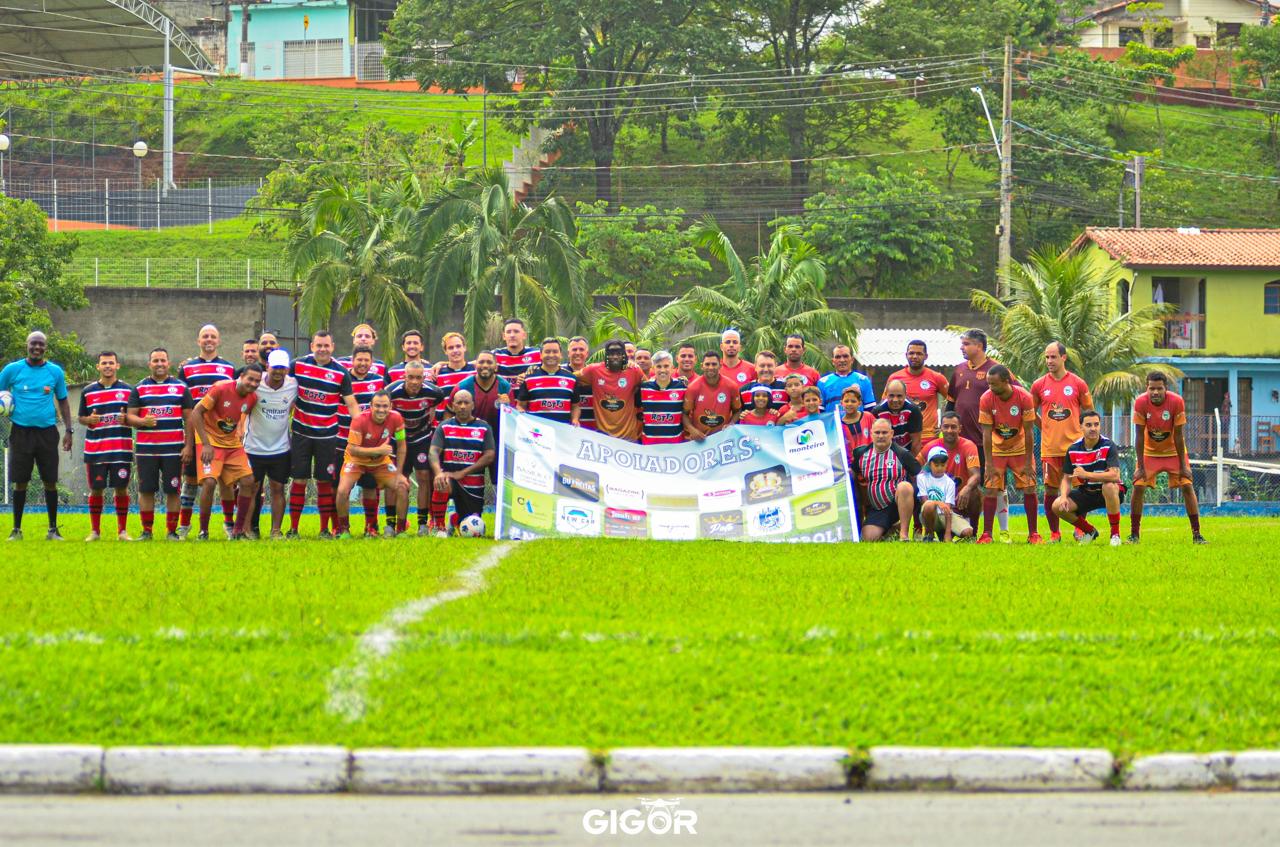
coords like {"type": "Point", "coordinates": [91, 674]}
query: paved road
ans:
{"type": "Point", "coordinates": [954, 820]}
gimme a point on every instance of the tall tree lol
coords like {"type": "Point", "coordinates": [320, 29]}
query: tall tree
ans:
{"type": "Point", "coordinates": [589, 62]}
{"type": "Point", "coordinates": [766, 299]}
{"type": "Point", "coordinates": [1071, 298]}
{"type": "Point", "coordinates": [473, 236]}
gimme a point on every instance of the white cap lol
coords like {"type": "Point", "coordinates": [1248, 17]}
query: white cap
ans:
{"type": "Point", "coordinates": [938, 452]}
{"type": "Point", "coordinates": [278, 359]}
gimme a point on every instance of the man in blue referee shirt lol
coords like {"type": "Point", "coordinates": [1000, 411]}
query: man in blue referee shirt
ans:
{"type": "Point", "coordinates": [37, 385]}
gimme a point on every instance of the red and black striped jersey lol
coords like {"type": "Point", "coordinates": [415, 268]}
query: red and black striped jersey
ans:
{"type": "Point", "coordinates": [512, 365]}
{"type": "Point", "coordinates": [395, 372]}
{"type": "Point", "coordinates": [549, 395]}
{"type": "Point", "coordinates": [662, 412]}
{"type": "Point", "coordinates": [586, 405]}
{"type": "Point", "coordinates": [167, 402]}
{"type": "Point", "coordinates": [363, 389]}
{"type": "Point", "coordinates": [320, 392]}
{"type": "Point", "coordinates": [416, 409]}
{"type": "Point", "coordinates": [1096, 459]}
{"type": "Point", "coordinates": [111, 440]}
{"type": "Point", "coordinates": [777, 394]}
{"type": "Point", "coordinates": [461, 446]}
{"type": "Point", "coordinates": [379, 367]}
{"type": "Point", "coordinates": [202, 374]}
{"type": "Point", "coordinates": [447, 380]}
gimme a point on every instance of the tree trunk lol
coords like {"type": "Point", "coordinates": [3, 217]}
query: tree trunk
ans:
{"type": "Point", "coordinates": [666, 119]}
{"type": "Point", "coordinates": [602, 135]}
{"type": "Point", "coordinates": [798, 152]}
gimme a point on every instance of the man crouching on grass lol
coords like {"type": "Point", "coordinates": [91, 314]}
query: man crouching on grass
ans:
{"type": "Point", "coordinates": [376, 446]}
{"type": "Point", "coordinates": [1090, 479]}
{"type": "Point", "coordinates": [884, 472]}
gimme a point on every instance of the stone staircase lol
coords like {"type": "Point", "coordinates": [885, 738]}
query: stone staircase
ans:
{"type": "Point", "coordinates": [524, 169]}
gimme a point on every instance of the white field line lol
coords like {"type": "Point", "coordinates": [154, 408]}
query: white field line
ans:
{"type": "Point", "coordinates": [349, 680]}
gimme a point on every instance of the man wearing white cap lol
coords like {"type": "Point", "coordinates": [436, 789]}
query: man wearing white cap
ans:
{"type": "Point", "coordinates": [267, 439]}
{"type": "Point", "coordinates": [39, 389]}
{"type": "Point", "coordinates": [936, 493]}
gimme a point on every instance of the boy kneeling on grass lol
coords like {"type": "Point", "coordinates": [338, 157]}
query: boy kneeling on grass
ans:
{"type": "Point", "coordinates": [937, 492]}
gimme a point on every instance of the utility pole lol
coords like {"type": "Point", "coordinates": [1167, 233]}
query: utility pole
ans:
{"type": "Point", "coordinates": [1139, 168]}
{"type": "Point", "coordinates": [244, 40]}
{"type": "Point", "coordinates": [168, 110]}
{"type": "Point", "coordinates": [1006, 176]}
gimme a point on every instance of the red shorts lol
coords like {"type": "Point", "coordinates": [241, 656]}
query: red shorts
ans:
{"type": "Point", "coordinates": [1052, 468]}
{"type": "Point", "coordinates": [1018, 464]}
{"type": "Point", "coordinates": [1153, 466]}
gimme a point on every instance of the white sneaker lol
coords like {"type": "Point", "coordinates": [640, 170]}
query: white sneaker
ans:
{"type": "Point", "coordinates": [182, 531]}
{"type": "Point", "coordinates": [123, 536]}
{"type": "Point", "coordinates": [93, 536]}
{"type": "Point", "coordinates": [1115, 541]}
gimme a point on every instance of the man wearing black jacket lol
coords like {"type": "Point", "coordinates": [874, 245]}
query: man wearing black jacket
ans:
{"type": "Point", "coordinates": [884, 472]}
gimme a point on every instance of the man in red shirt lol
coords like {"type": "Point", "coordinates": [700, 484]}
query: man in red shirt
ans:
{"type": "Point", "coordinates": [968, 384]}
{"type": "Point", "coordinates": [925, 387]}
{"type": "Point", "coordinates": [217, 427]}
{"type": "Point", "coordinates": [1007, 418]}
{"type": "Point", "coordinates": [376, 448]}
{"type": "Point", "coordinates": [1060, 397]}
{"type": "Point", "coordinates": [711, 403]}
{"type": "Point", "coordinates": [793, 350]}
{"type": "Point", "coordinates": [1161, 448]}
{"type": "Point", "coordinates": [614, 388]}
{"type": "Point", "coordinates": [687, 363]}
{"type": "Point", "coordinates": [736, 371]}
{"type": "Point", "coordinates": [963, 463]}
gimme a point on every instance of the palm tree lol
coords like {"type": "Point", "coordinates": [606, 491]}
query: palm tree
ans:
{"type": "Point", "coordinates": [349, 254]}
{"type": "Point", "coordinates": [776, 295]}
{"type": "Point", "coordinates": [1069, 298]}
{"type": "Point", "coordinates": [475, 237]}
{"type": "Point", "coordinates": [622, 321]}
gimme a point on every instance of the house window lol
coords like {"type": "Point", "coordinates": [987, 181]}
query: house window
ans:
{"type": "Point", "coordinates": [1122, 295]}
{"type": "Point", "coordinates": [1204, 42]}
{"type": "Point", "coordinates": [1228, 32]}
{"type": "Point", "coordinates": [1130, 33]}
{"type": "Point", "coordinates": [1271, 299]}
{"type": "Point", "coordinates": [1163, 39]}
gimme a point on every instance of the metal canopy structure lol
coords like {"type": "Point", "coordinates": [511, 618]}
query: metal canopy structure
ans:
{"type": "Point", "coordinates": [42, 38]}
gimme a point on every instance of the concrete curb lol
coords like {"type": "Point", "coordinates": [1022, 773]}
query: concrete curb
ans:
{"type": "Point", "coordinates": [498, 770]}
{"type": "Point", "coordinates": [50, 769]}
{"type": "Point", "coordinates": [650, 769]}
{"type": "Point", "coordinates": [990, 769]}
{"type": "Point", "coordinates": [206, 770]}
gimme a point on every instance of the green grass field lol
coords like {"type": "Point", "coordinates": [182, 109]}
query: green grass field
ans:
{"type": "Point", "coordinates": [606, 643]}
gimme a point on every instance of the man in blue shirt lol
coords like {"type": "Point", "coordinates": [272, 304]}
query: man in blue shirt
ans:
{"type": "Point", "coordinates": [832, 385]}
{"type": "Point", "coordinates": [37, 385]}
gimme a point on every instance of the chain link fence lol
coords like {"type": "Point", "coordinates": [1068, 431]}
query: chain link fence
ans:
{"type": "Point", "coordinates": [134, 203]}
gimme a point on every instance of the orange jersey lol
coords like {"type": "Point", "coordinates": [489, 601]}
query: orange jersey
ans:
{"type": "Point", "coordinates": [1159, 422]}
{"type": "Point", "coordinates": [925, 390]}
{"type": "Point", "coordinates": [960, 460]}
{"type": "Point", "coordinates": [1006, 419]}
{"type": "Point", "coordinates": [1060, 402]}
{"type": "Point", "coordinates": [710, 407]}
{"type": "Point", "coordinates": [365, 432]}
{"type": "Point", "coordinates": [226, 413]}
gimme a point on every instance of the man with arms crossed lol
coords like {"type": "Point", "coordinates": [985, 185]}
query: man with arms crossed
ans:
{"type": "Point", "coordinates": [1161, 447]}
{"type": "Point", "coordinates": [375, 447]}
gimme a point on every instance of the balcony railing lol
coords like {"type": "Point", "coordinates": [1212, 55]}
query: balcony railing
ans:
{"type": "Point", "coordinates": [1183, 331]}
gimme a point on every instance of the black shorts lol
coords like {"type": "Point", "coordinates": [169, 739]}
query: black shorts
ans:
{"type": "Point", "coordinates": [883, 518]}
{"type": "Point", "coordinates": [159, 472]}
{"type": "Point", "coordinates": [313, 458]}
{"type": "Point", "coordinates": [108, 475]}
{"type": "Point", "coordinates": [417, 456]}
{"type": "Point", "coordinates": [1087, 501]}
{"type": "Point", "coordinates": [465, 502]}
{"type": "Point", "coordinates": [275, 468]}
{"type": "Point", "coordinates": [33, 447]}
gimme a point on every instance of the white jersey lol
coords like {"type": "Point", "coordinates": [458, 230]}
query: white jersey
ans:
{"type": "Point", "coordinates": [268, 430]}
{"type": "Point", "coordinates": [940, 488]}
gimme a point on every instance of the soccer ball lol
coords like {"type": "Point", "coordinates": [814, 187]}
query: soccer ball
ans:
{"type": "Point", "coordinates": [6, 404]}
{"type": "Point", "coordinates": [472, 526]}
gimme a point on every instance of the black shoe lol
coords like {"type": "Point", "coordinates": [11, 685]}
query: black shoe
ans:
{"type": "Point", "coordinates": [204, 536]}
{"type": "Point", "coordinates": [145, 535]}
{"type": "Point", "coordinates": [325, 535]}
{"type": "Point", "coordinates": [173, 536]}
{"type": "Point", "coordinates": [1133, 539]}
{"type": "Point", "coordinates": [291, 535]}
{"type": "Point", "coordinates": [1197, 538]}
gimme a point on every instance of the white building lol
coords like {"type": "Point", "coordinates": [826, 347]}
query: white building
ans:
{"type": "Point", "coordinates": [1197, 23]}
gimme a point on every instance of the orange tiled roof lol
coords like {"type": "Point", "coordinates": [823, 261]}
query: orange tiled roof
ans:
{"type": "Point", "coordinates": [1187, 247]}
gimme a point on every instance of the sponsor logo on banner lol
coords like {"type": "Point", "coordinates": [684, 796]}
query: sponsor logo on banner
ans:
{"type": "Point", "coordinates": [578, 483]}
{"type": "Point", "coordinates": [626, 523]}
{"type": "Point", "coordinates": [768, 484]}
{"type": "Point", "coordinates": [532, 509]}
{"type": "Point", "coordinates": [806, 446]}
{"type": "Point", "coordinates": [768, 519]}
{"type": "Point", "coordinates": [723, 496]}
{"type": "Point", "coordinates": [724, 524]}
{"type": "Point", "coordinates": [672, 501]}
{"type": "Point", "coordinates": [803, 483]}
{"type": "Point", "coordinates": [627, 495]}
{"type": "Point", "coordinates": [530, 472]}
{"type": "Point", "coordinates": [577, 518]}
{"type": "Point", "coordinates": [536, 434]}
{"type": "Point", "coordinates": [815, 510]}
{"type": "Point", "coordinates": [673, 526]}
